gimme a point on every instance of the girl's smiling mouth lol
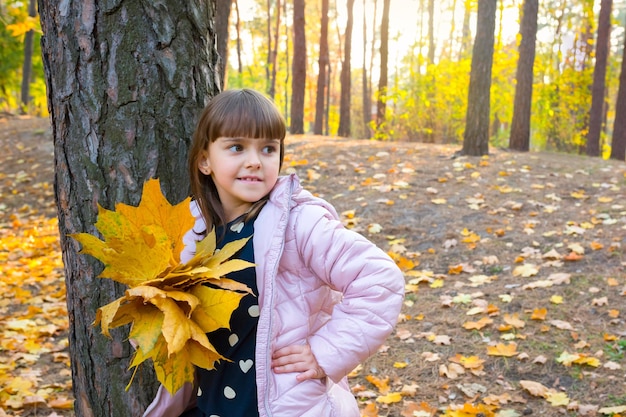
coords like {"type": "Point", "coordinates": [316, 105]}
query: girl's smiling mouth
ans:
{"type": "Point", "coordinates": [250, 179]}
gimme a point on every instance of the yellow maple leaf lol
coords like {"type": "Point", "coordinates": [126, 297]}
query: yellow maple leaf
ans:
{"type": "Point", "coordinates": [539, 314]}
{"type": "Point", "coordinates": [477, 325]}
{"type": "Point", "coordinates": [381, 384]}
{"type": "Point", "coordinates": [514, 320]}
{"type": "Point", "coordinates": [392, 397]}
{"type": "Point", "coordinates": [170, 309]}
{"type": "Point", "coordinates": [557, 398]}
{"type": "Point", "coordinates": [502, 350]}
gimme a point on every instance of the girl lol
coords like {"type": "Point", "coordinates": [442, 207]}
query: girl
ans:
{"type": "Point", "coordinates": [325, 298]}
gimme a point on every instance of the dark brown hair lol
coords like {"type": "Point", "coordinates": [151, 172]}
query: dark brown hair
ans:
{"type": "Point", "coordinates": [241, 113]}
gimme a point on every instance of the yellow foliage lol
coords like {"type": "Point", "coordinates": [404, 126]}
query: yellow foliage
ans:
{"type": "Point", "coordinates": [170, 309]}
{"type": "Point", "coordinates": [20, 28]}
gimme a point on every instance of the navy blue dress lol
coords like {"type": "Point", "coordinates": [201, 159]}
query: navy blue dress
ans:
{"type": "Point", "coordinates": [230, 389]}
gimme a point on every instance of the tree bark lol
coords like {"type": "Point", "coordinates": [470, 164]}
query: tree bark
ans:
{"type": "Point", "coordinates": [599, 75]}
{"type": "Point", "coordinates": [381, 107]}
{"type": "Point", "coordinates": [323, 62]}
{"type": "Point", "coordinates": [520, 126]}
{"type": "Point", "coordinates": [476, 138]}
{"type": "Point", "coordinates": [125, 82]}
{"type": "Point", "coordinates": [346, 77]}
{"type": "Point", "coordinates": [298, 69]}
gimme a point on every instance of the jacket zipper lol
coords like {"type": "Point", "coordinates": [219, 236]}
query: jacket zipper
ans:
{"type": "Point", "coordinates": [274, 274]}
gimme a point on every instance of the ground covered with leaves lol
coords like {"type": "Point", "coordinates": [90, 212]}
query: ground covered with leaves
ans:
{"type": "Point", "coordinates": [515, 266]}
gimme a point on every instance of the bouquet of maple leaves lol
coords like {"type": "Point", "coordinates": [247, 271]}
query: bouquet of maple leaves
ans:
{"type": "Point", "coordinates": [170, 309]}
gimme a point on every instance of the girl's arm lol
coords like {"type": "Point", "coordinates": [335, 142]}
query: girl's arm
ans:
{"type": "Point", "coordinates": [371, 283]}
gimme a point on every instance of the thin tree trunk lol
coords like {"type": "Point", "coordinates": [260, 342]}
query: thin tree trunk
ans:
{"type": "Point", "coordinates": [239, 62]}
{"type": "Point", "coordinates": [452, 30]}
{"type": "Point", "coordinates": [431, 31]}
{"type": "Point", "coordinates": [476, 138]}
{"type": "Point", "coordinates": [27, 66]}
{"type": "Point", "coordinates": [520, 126]}
{"type": "Point", "coordinates": [268, 30]}
{"type": "Point", "coordinates": [599, 75]}
{"type": "Point", "coordinates": [222, 24]}
{"type": "Point", "coordinates": [373, 49]}
{"type": "Point", "coordinates": [274, 61]}
{"type": "Point", "coordinates": [323, 61]}
{"type": "Point", "coordinates": [618, 143]}
{"type": "Point", "coordinates": [287, 66]}
{"type": "Point", "coordinates": [466, 36]}
{"type": "Point", "coordinates": [346, 77]}
{"type": "Point", "coordinates": [125, 82]}
{"type": "Point", "coordinates": [298, 69]}
{"type": "Point", "coordinates": [384, 55]}
{"type": "Point", "coordinates": [367, 104]}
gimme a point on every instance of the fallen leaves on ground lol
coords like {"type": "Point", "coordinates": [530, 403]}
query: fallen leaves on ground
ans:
{"type": "Point", "coordinates": [561, 218]}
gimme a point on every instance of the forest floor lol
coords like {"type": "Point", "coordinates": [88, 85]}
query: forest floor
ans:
{"type": "Point", "coordinates": [515, 266]}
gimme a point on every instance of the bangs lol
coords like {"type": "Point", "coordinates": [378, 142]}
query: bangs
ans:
{"type": "Point", "coordinates": [247, 115]}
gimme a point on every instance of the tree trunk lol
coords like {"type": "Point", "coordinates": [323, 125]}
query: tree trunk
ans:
{"type": "Point", "coordinates": [298, 69]}
{"type": "Point", "coordinates": [346, 77]}
{"type": "Point", "coordinates": [268, 29]}
{"type": "Point", "coordinates": [125, 82]}
{"type": "Point", "coordinates": [452, 30]}
{"type": "Point", "coordinates": [287, 66]}
{"type": "Point", "coordinates": [367, 104]}
{"type": "Point", "coordinates": [222, 25]}
{"type": "Point", "coordinates": [599, 75]}
{"type": "Point", "coordinates": [373, 49]}
{"type": "Point", "coordinates": [476, 138]}
{"type": "Point", "coordinates": [320, 101]}
{"type": "Point", "coordinates": [431, 31]}
{"type": "Point", "coordinates": [381, 107]}
{"type": "Point", "coordinates": [520, 126]}
{"type": "Point", "coordinates": [238, 43]}
{"type": "Point", "coordinates": [618, 143]}
{"type": "Point", "coordinates": [274, 56]}
{"type": "Point", "coordinates": [466, 37]}
{"type": "Point", "coordinates": [27, 66]}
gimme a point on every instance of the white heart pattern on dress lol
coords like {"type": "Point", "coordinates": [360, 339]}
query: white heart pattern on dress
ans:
{"type": "Point", "coordinates": [246, 365]}
{"type": "Point", "coordinates": [238, 227]}
{"type": "Point", "coordinates": [233, 339]}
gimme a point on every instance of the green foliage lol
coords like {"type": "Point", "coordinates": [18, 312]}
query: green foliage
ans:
{"type": "Point", "coordinates": [429, 105]}
{"type": "Point", "coordinates": [616, 351]}
{"type": "Point", "coordinates": [11, 56]}
{"type": "Point", "coordinates": [561, 110]}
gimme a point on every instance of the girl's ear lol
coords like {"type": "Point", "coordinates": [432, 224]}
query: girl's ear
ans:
{"type": "Point", "coordinates": [204, 165]}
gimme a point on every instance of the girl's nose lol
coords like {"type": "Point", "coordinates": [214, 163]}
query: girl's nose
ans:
{"type": "Point", "coordinates": [253, 160]}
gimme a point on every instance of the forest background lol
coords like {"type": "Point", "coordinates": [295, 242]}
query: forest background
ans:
{"type": "Point", "coordinates": [512, 213]}
{"type": "Point", "coordinates": [429, 60]}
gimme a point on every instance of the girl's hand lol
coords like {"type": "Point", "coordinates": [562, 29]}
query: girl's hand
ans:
{"type": "Point", "coordinates": [297, 358]}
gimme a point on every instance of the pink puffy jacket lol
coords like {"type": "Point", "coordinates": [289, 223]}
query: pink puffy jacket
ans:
{"type": "Point", "coordinates": [320, 284]}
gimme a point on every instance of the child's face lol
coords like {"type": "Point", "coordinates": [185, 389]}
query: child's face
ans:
{"type": "Point", "coordinates": [244, 171]}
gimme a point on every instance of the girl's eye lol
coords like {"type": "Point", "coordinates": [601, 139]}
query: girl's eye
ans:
{"type": "Point", "coordinates": [269, 149]}
{"type": "Point", "coordinates": [236, 148]}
